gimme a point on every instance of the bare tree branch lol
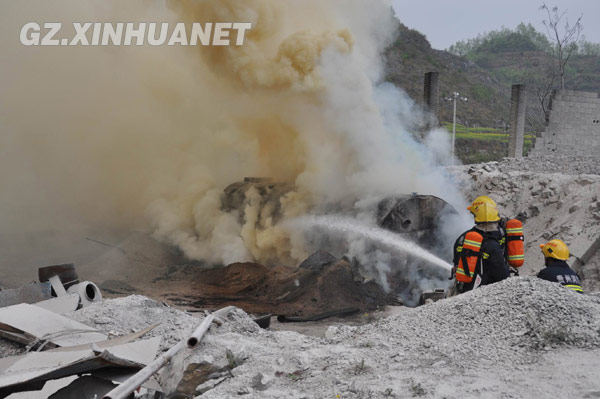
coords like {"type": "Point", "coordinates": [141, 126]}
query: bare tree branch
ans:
{"type": "Point", "coordinates": [565, 38]}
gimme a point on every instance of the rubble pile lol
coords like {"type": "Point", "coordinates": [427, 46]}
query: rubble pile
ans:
{"type": "Point", "coordinates": [499, 335]}
{"type": "Point", "coordinates": [124, 315]}
{"type": "Point", "coordinates": [504, 322]}
{"type": "Point", "coordinates": [493, 333]}
{"type": "Point", "coordinates": [568, 165]}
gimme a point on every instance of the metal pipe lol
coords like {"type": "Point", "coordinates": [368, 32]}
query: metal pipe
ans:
{"type": "Point", "coordinates": [127, 387]}
{"type": "Point", "coordinates": [454, 128]}
{"type": "Point", "coordinates": [197, 335]}
{"type": "Point", "coordinates": [130, 385]}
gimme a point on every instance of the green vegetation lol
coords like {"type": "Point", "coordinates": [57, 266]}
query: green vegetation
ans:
{"type": "Point", "coordinates": [463, 129]}
{"type": "Point", "coordinates": [483, 144]}
{"type": "Point", "coordinates": [482, 92]}
{"type": "Point", "coordinates": [523, 38]}
{"type": "Point", "coordinates": [483, 133]}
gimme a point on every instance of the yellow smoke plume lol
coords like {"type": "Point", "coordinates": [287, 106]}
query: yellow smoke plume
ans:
{"type": "Point", "coordinates": [148, 137]}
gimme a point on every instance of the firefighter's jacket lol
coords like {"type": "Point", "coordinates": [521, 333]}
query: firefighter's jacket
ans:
{"type": "Point", "coordinates": [493, 266]}
{"type": "Point", "coordinates": [558, 271]}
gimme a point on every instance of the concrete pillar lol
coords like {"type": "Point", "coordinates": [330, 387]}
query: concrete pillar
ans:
{"type": "Point", "coordinates": [431, 93]}
{"type": "Point", "coordinates": [517, 122]}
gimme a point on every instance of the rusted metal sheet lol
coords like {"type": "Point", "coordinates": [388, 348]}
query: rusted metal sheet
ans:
{"type": "Point", "coordinates": [30, 293]}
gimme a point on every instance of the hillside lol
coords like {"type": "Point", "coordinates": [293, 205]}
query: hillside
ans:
{"type": "Point", "coordinates": [484, 70]}
{"type": "Point", "coordinates": [411, 56]}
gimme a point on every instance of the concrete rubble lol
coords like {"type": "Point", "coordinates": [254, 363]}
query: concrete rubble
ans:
{"type": "Point", "coordinates": [26, 324]}
{"type": "Point", "coordinates": [500, 339]}
{"type": "Point", "coordinates": [37, 367]}
{"type": "Point", "coordinates": [499, 335]}
{"type": "Point", "coordinates": [64, 347]}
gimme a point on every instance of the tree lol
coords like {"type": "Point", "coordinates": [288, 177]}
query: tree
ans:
{"type": "Point", "coordinates": [540, 82]}
{"type": "Point", "coordinates": [564, 37]}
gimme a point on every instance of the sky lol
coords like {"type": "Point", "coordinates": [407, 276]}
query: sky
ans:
{"type": "Point", "coordinates": [445, 22]}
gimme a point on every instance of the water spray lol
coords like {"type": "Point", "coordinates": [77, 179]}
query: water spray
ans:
{"type": "Point", "coordinates": [384, 237]}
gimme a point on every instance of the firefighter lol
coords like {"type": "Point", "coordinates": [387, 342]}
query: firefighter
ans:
{"type": "Point", "coordinates": [557, 270]}
{"type": "Point", "coordinates": [479, 257]}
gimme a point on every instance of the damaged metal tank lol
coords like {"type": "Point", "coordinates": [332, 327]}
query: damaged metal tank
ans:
{"type": "Point", "coordinates": [417, 218]}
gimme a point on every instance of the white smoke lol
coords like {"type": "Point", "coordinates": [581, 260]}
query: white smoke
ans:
{"type": "Point", "coordinates": [150, 137]}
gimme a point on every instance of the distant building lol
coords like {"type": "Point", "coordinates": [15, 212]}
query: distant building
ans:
{"type": "Point", "coordinates": [573, 126]}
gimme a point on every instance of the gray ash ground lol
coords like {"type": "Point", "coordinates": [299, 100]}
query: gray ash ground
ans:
{"type": "Point", "coordinates": [522, 337]}
{"type": "Point", "coordinates": [497, 341]}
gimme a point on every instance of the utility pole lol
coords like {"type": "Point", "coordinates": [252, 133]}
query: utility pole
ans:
{"type": "Point", "coordinates": [455, 96]}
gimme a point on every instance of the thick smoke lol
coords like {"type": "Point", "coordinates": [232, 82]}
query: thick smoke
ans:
{"type": "Point", "coordinates": [149, 137]}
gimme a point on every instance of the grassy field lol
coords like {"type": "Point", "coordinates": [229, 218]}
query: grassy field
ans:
{"type": "Point", "coordinates": [483, 144]}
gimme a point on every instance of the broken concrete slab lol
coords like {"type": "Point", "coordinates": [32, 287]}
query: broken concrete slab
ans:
{"type": "Point", "coordinates": [30, 293]}
{"type": "Point", "coordinates": [30, 322]}
{"type": "Point", "coordinates": [37, 367]}
{"type": "Point", "coordinates": [61, 304]}
{"type": "Point", "coordinates": [124, 339]}
{"type": "Point", "coordinates": [57, 286]}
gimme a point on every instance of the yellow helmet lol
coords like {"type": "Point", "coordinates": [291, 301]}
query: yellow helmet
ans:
{"type": "Point", "coordinates": [556, 249]}
{"type": "Point", "coordinates": [484, 209]}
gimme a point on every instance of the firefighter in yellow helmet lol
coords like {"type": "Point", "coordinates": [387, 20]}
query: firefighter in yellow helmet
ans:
{"type": "Point", "coordinates": [479, 257]}
{"type": "Point", "coordinates": [556, 254]}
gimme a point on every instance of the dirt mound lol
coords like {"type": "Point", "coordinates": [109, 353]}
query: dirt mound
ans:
{"type": "Point", "coordinates": [255, 288]}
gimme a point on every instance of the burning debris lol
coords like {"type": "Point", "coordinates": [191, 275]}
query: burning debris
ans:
{"type": "Point", "coordinates": [328, 286]}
